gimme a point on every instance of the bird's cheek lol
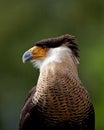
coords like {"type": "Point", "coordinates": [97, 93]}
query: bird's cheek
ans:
{"type": "Point", "coordinates": [39, 54]}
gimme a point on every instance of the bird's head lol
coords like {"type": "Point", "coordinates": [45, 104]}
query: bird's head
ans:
{"type": "Point", "coordinates": [41, 49]}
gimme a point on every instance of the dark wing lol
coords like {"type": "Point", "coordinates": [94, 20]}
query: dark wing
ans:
{"type": "Point", "coordinates": [29, 118]}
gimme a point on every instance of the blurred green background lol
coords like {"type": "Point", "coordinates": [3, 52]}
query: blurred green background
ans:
{"type": "Point", "coordinates": [23, 22]}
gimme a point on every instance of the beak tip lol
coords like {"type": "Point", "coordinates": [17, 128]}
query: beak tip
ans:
{"type": "Point", "coordinates": [23, 60]}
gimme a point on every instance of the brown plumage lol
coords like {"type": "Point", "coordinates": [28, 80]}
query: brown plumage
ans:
{"type": "Point", "coordinates": [59, 100]}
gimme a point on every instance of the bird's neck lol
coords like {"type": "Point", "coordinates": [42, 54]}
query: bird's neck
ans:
{"type": "Point", "coordinates": [57, 70]}
{"type": "Point", "coordinates": [55, 75]}
{"type": "Point", "coordinates": [63, 66]}
{"type": "Point", "coordinates": [61, 55]}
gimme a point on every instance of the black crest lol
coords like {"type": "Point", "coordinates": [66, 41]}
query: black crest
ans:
{"type": "Point", "coordinates": [68, 40]}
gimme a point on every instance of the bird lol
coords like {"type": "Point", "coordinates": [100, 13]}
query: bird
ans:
{"type": "Point", "coordinates": [59, 100]}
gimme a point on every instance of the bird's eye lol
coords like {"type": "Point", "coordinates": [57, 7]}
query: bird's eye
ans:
{"type": "Point", "coordinates": [44, 46]}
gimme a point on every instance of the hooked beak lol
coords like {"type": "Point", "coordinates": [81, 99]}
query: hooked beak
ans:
{"type": "Point", "coordinates": [27, 56]}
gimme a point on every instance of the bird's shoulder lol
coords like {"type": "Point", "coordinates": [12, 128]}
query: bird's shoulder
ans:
{"type": "Point", "coordinates": [28, 110]}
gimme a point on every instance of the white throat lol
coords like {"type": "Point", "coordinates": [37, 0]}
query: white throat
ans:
{"type": "Point", "coordinates": [58, 55]}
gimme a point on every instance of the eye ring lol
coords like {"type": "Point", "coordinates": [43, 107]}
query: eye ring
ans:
{"type": "Point", "coordinates": [43, 46]}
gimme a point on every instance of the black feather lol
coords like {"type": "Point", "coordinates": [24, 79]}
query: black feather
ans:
{"type": "Point", "coordinates": [68, 40]}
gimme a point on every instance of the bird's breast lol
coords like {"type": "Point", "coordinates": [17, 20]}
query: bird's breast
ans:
{"type": "Point", "coordinates": [60, 96]}
{"type": "Point", "coordinates": [62, 99]}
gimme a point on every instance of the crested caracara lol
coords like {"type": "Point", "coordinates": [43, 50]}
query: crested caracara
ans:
{"type": "Point", "coordinates": [59, 99]}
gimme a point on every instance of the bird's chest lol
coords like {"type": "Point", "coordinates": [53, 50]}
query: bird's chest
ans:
{"type": "Point", "coordinates": [60, 100]}
{"type": "Point", "coordinates": [61, 104]}
{"type": "Point", "coordinates": [52, 102]}
{"type": "Point", "coordinates": [53, 108]}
